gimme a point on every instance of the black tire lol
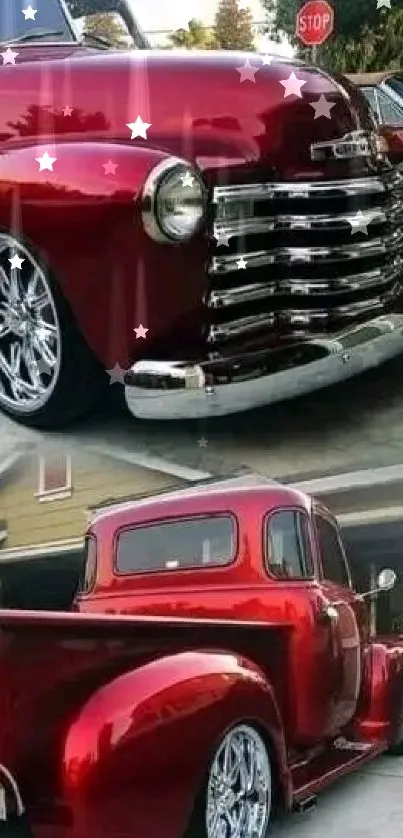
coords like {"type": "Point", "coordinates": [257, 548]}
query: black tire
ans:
{"type": "Point", "coordinates": [81, 381]}
{"type": "Point", "coordinates": [197, 827]}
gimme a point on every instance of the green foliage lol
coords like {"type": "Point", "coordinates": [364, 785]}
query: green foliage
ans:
{"type": "Point", "coordinates": [109, 27]}
{"type": "Point", "coordinates": [196, 36]}
{"type": "Point", "coordinates": [364, 39]}
{"type": "Point", "coordinates": [233, 27]}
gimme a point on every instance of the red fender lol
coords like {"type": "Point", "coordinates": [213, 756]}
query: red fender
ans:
{"type": "Point", "coordinates": [136, 755]}
{"type": "Point", "coordinates": [382, 693]}
{"type": "Point", "coordinates": [86, 226]}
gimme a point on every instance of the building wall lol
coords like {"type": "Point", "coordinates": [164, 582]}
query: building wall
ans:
{"type": "Point", "coordinates": [31, 521]}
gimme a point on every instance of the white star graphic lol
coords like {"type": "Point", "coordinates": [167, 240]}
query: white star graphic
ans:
{"type": "Point", "coordinates": [202, 442]}
{"type": "Point", "coordinates": [187, 179]}
{"type": "Point", "coordinates": [241, 264]}
{"type": "Point", "coordinates": [46, 162]}
{"type": "Point", "coordinates": [9, 56]}
{"type": "Point", "coordinates": [116, 374]}
{"type": "Point", "coordinates": [322, 107]}
{"type": "Point", "coordinates": [29, 13]}
{"type": "Point", "coordinates": [292, 86]}
{"type": "Point", "coordinates": [359, 222]}
{"type": "Point", "coordinates": [16, 263]}
{"type": "Point", "coordinates": [247, 72]}
{"type": "Point", "coordinates": [141, 331]}
{"type": "Point", "coordinates": [139, 128]}
{"type": "Point", "coordinates": [383, 4]}
{"type": "Point", "coordinates": [67, 111]}
{"type": "Point", "coordinates": [267, 60]}
{"type": "Point", "coordinates": [222, 239]}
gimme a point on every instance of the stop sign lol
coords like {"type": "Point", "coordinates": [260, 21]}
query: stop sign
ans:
{"type": "Point", "coordinates": [315, 21]}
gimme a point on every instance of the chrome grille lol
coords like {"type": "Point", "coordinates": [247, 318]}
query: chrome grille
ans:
{"type": "Point", "coordinates": [298, 260]}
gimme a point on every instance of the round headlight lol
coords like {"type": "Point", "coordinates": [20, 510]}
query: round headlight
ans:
{"type": "Point", "coordinates": [174, 201]}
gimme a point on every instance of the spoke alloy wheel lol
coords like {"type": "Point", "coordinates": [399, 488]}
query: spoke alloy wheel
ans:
{"type": "Point", "coordinates": [30, 337]}
{"type": "Point", "coordinates": [238, 802]}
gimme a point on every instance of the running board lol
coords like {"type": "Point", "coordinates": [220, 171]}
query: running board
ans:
{"type": "Point", "coordinates": [305, 804]}
{"type": "Point", "coordinates": [342, 757]}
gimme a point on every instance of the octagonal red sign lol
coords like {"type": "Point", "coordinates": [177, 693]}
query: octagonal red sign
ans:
{"type": "Point", "coordinates": [315, 21]}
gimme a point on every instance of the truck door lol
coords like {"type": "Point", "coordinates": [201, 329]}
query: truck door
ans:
{"type": "Point", "coordinates": [348, 629]}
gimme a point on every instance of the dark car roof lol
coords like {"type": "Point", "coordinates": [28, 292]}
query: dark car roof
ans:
{"type": "Point", "coordinates": [370, 79]}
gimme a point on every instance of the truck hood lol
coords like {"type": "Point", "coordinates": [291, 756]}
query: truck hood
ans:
{"type": "Point", "coordinates": [215, 109]}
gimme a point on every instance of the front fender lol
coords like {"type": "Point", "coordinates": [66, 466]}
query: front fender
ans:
{"type": "Point", "coordinates": [86, 225]}
{"type": "Point", "coordinates": [136, 755]}
{"type": "Point", "coordinates": [382, 692]}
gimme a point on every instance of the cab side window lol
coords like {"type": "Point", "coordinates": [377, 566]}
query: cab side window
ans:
{"type": "Point", "coordinates": [287, 545]}
{"type": "Point", "coordinates": [332, 554]}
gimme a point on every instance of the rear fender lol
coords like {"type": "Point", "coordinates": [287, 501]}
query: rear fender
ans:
{"type": "Point", "coordinates": [382, 693]}
{"type": "Point", "coordinates": [136, 755]}
{"type": "Point", "coordinates": [85, 224]}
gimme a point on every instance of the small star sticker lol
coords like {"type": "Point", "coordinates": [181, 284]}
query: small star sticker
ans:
{"type": "Point", "coordinates": [247, 72]}
{"type": "Point", "coordinates": [292, 86]}
{"type": "Point", "coordinates": [202, 442]}
{"type": "Point", "coordinates": [359, 222]}
{"type": "Point", "coordinates": [222, 239]}
{"type": "Point", "coordinates": [383, 4]}
{"type": "Point", "coordinates": [141, 332]}
{"type": "Point", "coordinates": [110, 167]}
{"type": "Point", "coordinates": [16, 263]}
{"type": "Point", "coordinates": [46, 162]}
{"type": "Point", "coordinates": [322, 107]}
{"type": "Point", "coordinates": [267, 60]}
{"type": "Point", "coordinates": [9, 56]}
{"type": "Point", "coordinates": [67, 111]}
{"type": "Point", "coordinates": [116, 374]}
{"type": "Point", "coordinates": [29, 13]}
{"type": "Point", "coordinates": [241, 264]}
{"type": "Point", "coordinates": [187, 179]}
{"type": "Point", "coordinates": [43, 367]}
{"type": "Point", "coordinates": [139, 128]}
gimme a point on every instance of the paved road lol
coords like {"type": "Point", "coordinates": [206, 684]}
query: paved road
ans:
{"type": "Point", "coordinates": [353, 424]}
{"type": "Point", "coordinates": [368, 804]}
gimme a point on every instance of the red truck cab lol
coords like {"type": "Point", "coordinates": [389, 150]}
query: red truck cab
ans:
{"type": "Point", "coordinates": [217, 668]}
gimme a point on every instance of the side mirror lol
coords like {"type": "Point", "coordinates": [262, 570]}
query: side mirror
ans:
{"type": "Point", "coordinates": [386, 579]}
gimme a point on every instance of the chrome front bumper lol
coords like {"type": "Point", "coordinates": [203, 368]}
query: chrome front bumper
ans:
{"type": "Point", "coordinates": [177, 390]}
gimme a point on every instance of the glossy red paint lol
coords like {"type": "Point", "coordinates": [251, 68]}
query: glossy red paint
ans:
{"type": "Point", "coordinates": [87, 225]}
{"type": "Point", "coordinates": [128, 700]}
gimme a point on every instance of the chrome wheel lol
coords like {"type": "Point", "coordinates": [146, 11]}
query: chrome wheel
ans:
{"type": "Point", "coordinates": [239, 789]}
{"type": "Point", "coordinates": [30, 337]}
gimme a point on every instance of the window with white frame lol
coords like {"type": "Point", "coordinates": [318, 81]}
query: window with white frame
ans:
{"type": "Point", "coordinates": [55, 478]}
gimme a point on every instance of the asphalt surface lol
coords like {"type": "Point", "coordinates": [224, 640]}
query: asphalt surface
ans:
{"type": "Point", "coordinates": [368, 804]}
{"type": "Point", "coordinates": [356, 423]}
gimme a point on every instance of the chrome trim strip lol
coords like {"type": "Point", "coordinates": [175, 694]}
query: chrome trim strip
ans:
{"type": "Point", "coordinates": [284, 223]}
{"type": "Point", "coordinates": [349, 353]}
{"type": "Point", "coordinates": [377, 279]}
{"type": "Point", "coordinates": [306, 189]}
{"type": "Point", "coordinates": [312, 255]}
{"type": "Point", "coordinates": [241, 326]}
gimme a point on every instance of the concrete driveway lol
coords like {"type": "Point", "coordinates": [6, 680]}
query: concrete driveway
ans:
{"type": "Point", "coordinates": [368, 804]}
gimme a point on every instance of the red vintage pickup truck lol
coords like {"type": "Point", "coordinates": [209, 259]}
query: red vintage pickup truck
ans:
{"type": "Point", "coordinates": [217, 669]}
{"type": "Point", "coordinates": [213, 230]}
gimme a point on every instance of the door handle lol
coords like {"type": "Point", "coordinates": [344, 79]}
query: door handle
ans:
{"type": "Point", "coordinates": [328, 614]}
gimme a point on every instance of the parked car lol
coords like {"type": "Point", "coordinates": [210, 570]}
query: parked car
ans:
{"type": "Point", "coordinates": [384, 93]}
{"type": "Point", "coordinates": [217, 668]}
{"type": "Point", "coordinates": [198, 226]}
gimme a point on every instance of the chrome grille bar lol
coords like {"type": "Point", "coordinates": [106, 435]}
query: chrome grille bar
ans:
{"type": "Point", "coordinates": [304, 189]}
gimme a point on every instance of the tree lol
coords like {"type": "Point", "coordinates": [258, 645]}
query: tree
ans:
{"type": "Point", "coordinates": [196, 36]}
{"type": "Point", "coordinates": [107, 26]}
{"type": "Point", "coordinates": [233, 26]}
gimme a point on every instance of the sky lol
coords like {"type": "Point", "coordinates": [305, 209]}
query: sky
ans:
{"type": "Point", "coordinates": [160, 14]}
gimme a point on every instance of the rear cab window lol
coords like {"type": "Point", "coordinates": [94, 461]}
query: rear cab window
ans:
{"type": "Point", "coordinates": [287, 545]}
{"type": "Point", "coordinates": [180, 544]}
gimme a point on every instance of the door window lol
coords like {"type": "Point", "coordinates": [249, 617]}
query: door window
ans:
{"type": "Point", "coordinates": [288, 549]}
{"type": "Point", "coordinates": [390, 112]}
{"type": "Point", "coordinates": [332, 554]}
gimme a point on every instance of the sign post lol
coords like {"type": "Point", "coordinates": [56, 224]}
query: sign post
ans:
{"type": "Point", "coordinates": [314, 23]}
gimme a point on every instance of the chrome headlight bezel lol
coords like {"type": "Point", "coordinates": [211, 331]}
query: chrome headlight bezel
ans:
{"type": "Point", "coordinates": [155, 222]}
